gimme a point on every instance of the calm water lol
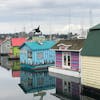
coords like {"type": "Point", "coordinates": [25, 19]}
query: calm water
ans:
{"type": "Point", "coordinates": [37, 85]}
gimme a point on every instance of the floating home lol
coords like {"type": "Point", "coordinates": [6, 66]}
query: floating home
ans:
{"type": "Point", "coordinates": [37, 55]}
{"type": "Point", "coordinates": [91, 61]}
{"type": "Point", "coordinates": [68, 61]}
{"type": "Point", "coordinates": [36, 80]}
{"type": "Point", "coordinates": [16, 43]}
{"type": "Point", "coordinates": [5, 46]}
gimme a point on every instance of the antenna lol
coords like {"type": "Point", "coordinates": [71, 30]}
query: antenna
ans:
{"type": "Point", "coordinates": [90, 17]}
{"type": "Point", "coordinates": [82, 35]}
{"type": "Point", "coordinates": [69, 19]}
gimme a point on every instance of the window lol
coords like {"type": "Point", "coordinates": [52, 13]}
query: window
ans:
{"type": "Point", "coordinates": [29, 54]}
{"type": "Point", "coordinates": [67, 59]}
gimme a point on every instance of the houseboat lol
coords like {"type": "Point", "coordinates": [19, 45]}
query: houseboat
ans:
{"type": "Point", "coordinates": [91, 61]}
{"type": "Point", "coordinates": [68, 61]}
{"type": "Point", "coordinates": [5, 47]}
{"type": "Point", "coordinates": [37, 55]}
{"type": "Point", "coordinates": [16, 43]}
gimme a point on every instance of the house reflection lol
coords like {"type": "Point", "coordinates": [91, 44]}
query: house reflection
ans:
{"type": "Point", "coordinates": [32, 81]}
{"type": "Point", "coordinates": [5, 63]}
{"type": "Point", "coordinates": [16, 68]}
{"type": "Point", "coordinates": [13, 65]}
{"type": "Point", "coordinates": [67, 87]}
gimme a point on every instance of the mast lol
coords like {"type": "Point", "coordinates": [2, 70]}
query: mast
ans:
{"type": "Point", "coordinates": [90, 17]}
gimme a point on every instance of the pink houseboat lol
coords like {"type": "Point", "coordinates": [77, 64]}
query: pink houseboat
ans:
{"type": "Point", "coordinates": [68, 60]}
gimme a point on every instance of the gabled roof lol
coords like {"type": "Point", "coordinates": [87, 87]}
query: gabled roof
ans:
{"type": "Point", "coordinates": [92, 44]}
{"type": "Point", "coordinates": [76, 44]}
{"type": "Point", "coordinates": [4, 40]}
{"type": "Point", "coordinates": [96, 27]}
{"type": "Point", "coordinates": [39, 46]}
{"type": "Point", "coordinates": [17, 41]}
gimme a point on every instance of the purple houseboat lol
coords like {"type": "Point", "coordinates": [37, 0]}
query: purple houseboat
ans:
{"type": "Point", "coordinates": [68, 59]}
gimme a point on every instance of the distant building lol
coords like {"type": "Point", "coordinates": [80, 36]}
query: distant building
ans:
{"type": "Point", "coordinates": [5, 46]}
{"type": "Point", "coordinates": [16, 43]}
{"type": "Point", "coordinates": [37, 54]}
{"type": "Point", "coordinates": [68, 60]}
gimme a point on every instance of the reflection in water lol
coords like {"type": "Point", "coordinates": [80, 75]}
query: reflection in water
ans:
{"type": "Point", "coordinates": [5, 63]}
{"type": "Point", "coordinates": [13, 65]}
{"type": "Point", "coordinates": [32, 81]}
{"type": "Point", "coordinates": [16, 68]}
{"type": "Point", "coordinates": [69, 88]}
{"type": "Point", "coordinates": [38, 82]}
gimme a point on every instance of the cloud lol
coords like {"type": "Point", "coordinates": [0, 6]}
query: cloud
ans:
{"type": "Point", "coordinates": [48, 12]}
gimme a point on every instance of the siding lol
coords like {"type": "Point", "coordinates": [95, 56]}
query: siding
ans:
{"type": "Point", "coordinates": [46, 57]}
{"type": "Point", "coordinates": [59, 59]}
{"type": "Point", "coordinates": [6, 47]}
{"type": "Point", "coordinates": [75, 60]}
{"type": "Point", "coordinates": [91, 71]}
{"type": "Point", "coordinates": [16, 51]}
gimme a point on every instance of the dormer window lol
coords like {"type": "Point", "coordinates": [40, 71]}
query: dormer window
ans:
{"type": "Point", "coordinates": [63, 46]}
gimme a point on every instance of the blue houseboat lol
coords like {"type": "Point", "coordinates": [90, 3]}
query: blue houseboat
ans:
{"type": "Point", "coordinates": [37, 55]}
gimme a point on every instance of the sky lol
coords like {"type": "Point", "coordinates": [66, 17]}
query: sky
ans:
{"type": "Point", "coordinates": [53, 16]}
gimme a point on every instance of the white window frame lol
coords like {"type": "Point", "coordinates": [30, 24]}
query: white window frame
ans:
{"type": "Point", "coordinates": [66, 66]}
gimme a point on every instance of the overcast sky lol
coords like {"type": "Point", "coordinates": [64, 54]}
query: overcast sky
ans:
{"type": "Point", "coordinates": [53, 16]}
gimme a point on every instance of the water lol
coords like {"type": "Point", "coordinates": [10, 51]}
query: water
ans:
{"type": "Point", "coordinates": [23, 84]}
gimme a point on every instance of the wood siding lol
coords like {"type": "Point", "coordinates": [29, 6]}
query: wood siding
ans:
{"type": "Point", "coordinates": [59, 59]}
{"type": "Point", "coordinates": [16, 51]}
{"type": "Point", "coordinates": [75, 60]}
{"type": "Point", "coordinates": [91, 71]}
{"type": "Point", "coordinates": [5, 47]}
{"type": "Point", "coordinates": [39, 57]}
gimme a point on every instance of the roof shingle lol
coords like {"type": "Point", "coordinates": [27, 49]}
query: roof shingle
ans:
{"type": "Point", "coordinates": [76, 44]}
{"type": "Point", "coordinates": [17, 41]}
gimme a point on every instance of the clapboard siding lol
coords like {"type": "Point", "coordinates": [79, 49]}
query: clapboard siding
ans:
{"type": "Point", "coordinates": [38, 56]}
{"type": "Point", "coordinates": [75, 60]}
{"type": "Point", "coordinates": [59, 59]}
{"type": "Point", "coordinates": [91, 71]}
